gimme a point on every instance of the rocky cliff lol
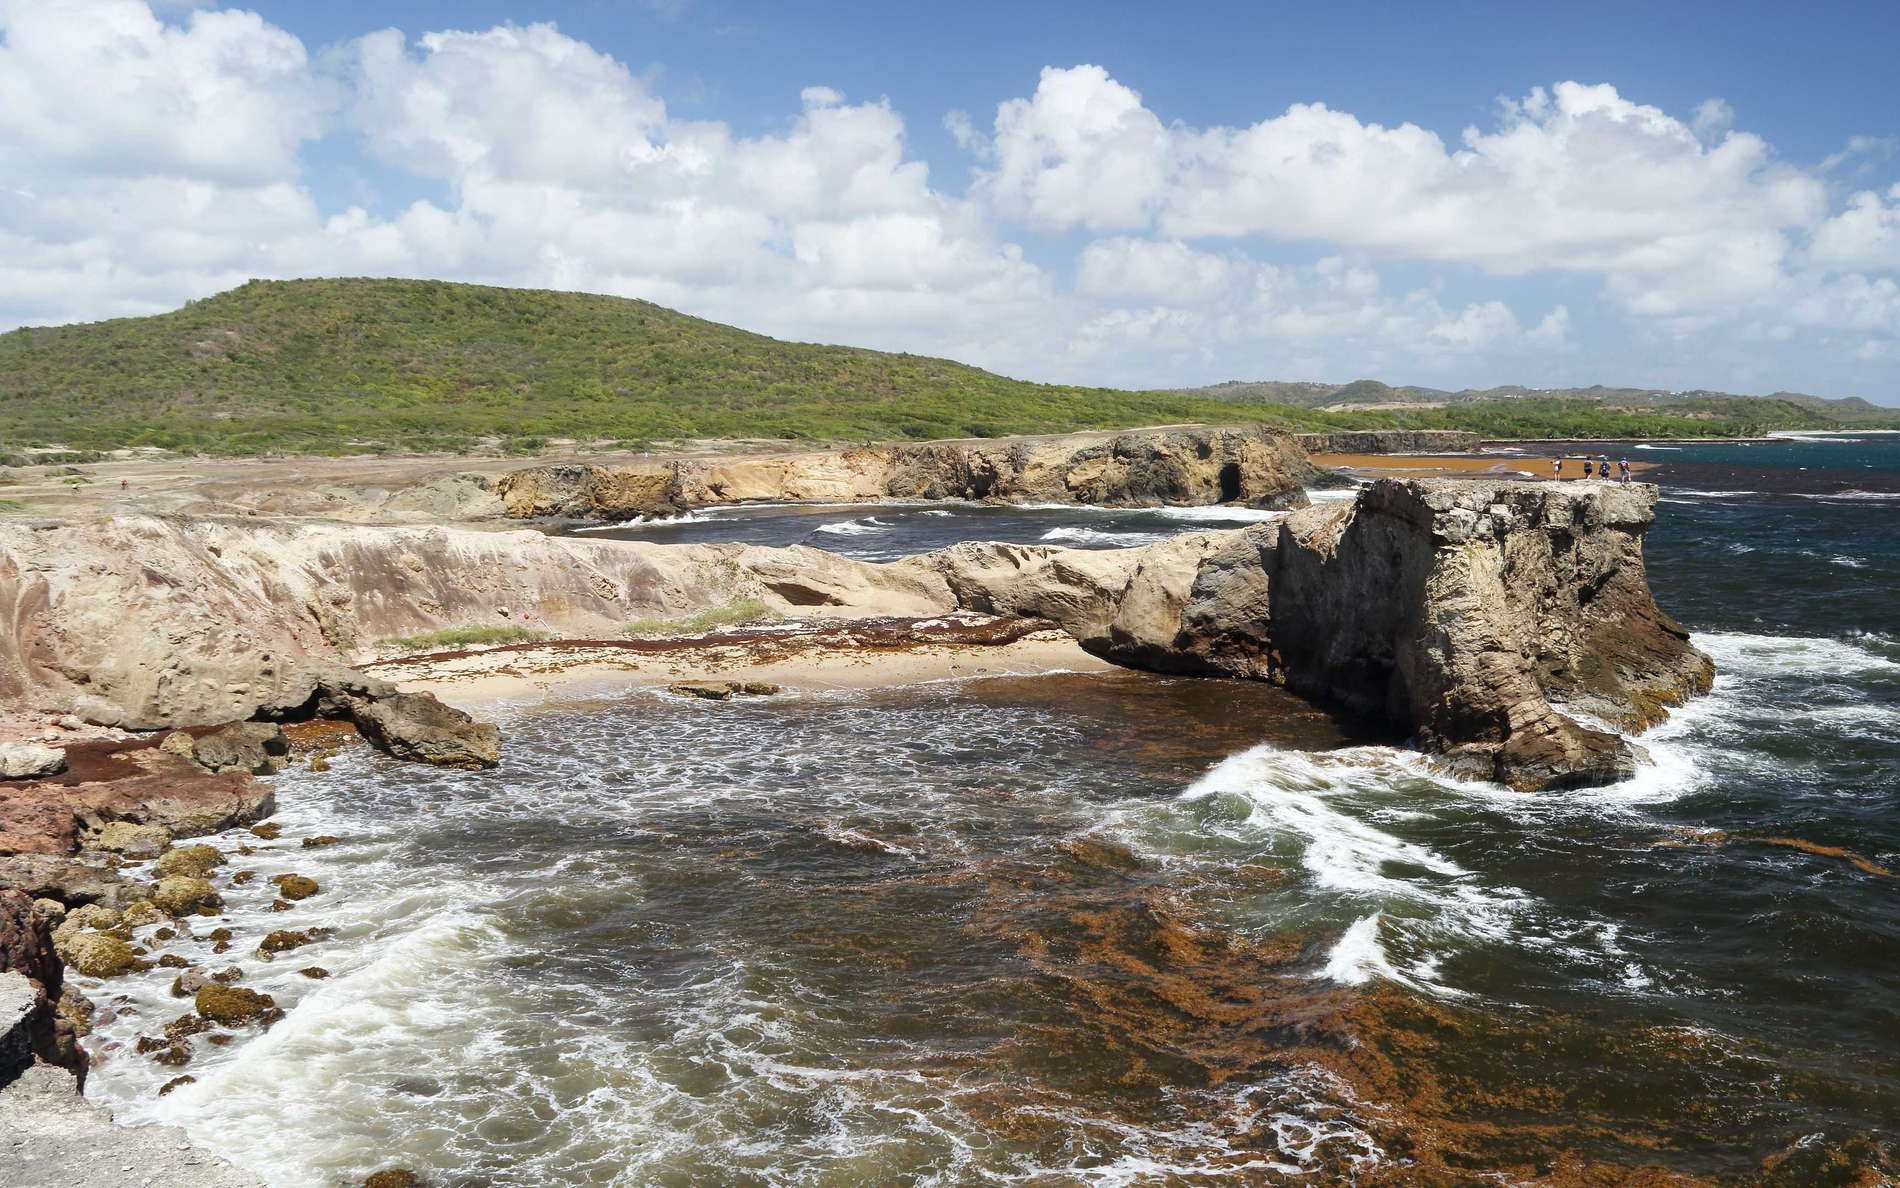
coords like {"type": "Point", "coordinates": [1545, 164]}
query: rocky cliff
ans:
{"type": "Point", "coordinates": [1469, 613]}
{"type": "Point", "coordinates": [1186, 465]}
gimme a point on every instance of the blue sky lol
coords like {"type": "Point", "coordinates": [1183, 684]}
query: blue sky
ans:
{"type": "Point", "coordinates": [1670, 195]}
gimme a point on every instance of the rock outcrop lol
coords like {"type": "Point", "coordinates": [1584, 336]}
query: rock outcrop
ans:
{"type": "Point", "coordinates": [1185, 465]}
{"type": "Point", "coordinates": [32, 979]}
{"type": "Point", "coordinates": [1471, 614]}
{"type": "Point", "coordinates": [1392, 441]}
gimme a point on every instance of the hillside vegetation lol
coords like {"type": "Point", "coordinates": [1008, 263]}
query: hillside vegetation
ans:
{"type": "Point", "coordinates": [320, 365]}
{"type": "Point", "coordinates": [1783, 410]}
{"type": "Point", "coordinates": [345, 366]}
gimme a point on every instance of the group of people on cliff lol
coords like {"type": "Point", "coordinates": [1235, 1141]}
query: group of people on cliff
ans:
{"type": "Point", "coordinates": [1594, 468]}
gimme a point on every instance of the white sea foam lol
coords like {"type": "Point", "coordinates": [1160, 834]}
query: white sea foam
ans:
{"type": "Point", "coordinates": [1219, 513]}
{"type": "Point", "coordinates": [1850, 496]}
{"type": "Point", "coordinates": [1673, 449]}
{"type": "Point", "coordinates": [1074, 535]}
{"type": "Point", "coordinates": [863, 527]}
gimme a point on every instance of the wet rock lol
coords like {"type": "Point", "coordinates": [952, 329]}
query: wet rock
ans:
{"type": "Point", "coordinates": [172, 961]}
{"type": "Point", "coordinates": [395, 1177]}
{"type": "Point", "coordinates": [314, 972]}
{"type": "Point", "coordinates": [281, 905]}
{"type": "Point", "coordinates": [186, 1025]}
{"type": "Point", "coordinates": [323, 839]}
{"type": "Point", "coordinates": [175, 1083]}
{"type": "Point", "coordinates": [30, 761]}
{"type": "Point", "coordinates": [91, 915]}
{"type": "Point", "coordinates": [182, 895]}
{"type": "Point", "coordinates": [259, 748]}
{"type": "Point", "coordinates": [295, 886]}
{"type": "Point", "coordinates": [98, 955]}
{"type": "Point", "coordinates": [228, 975]}
{"type": "Point", "coordinates": [704, 690]}
{"type": "Point", "coordinates": [51, 911]}
{"type": "Point", "coordinates": [285, 939]}
{"type": "Point", "coordinates": [188, 860]}
{"type": "Point", "coordinates": [140, 912]}
{"type": "Point", "coordinates": [174, 1054]}
{"type": "Point", "coordinates": [234, 1006]}
{"type": "Point", "coordinates": [130, 839]}
{"type": "Point", "coordinates": [242, 877]}
{"type": "Point", "coordinates": [319, 763]}
{"type": "Point", "coordinates": [268, 830]}
{"type": "Point", "coordinates": [419, 727]}
{"type": "Point", "coordinates": [187, 984]}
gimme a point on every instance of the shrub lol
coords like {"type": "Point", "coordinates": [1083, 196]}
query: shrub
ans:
{"type": "Point", "coordinates": [740, 610]}
{"type": "Point", "coordinates": [463, 637]}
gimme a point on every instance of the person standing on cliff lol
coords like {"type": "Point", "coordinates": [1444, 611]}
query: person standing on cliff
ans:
{"type": "Point", "coordinates": [1623, 469]}
{"type": "Point", "coordinates": [1557, 467]}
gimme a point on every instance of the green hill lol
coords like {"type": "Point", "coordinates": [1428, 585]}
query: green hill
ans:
{"type": "Point", "coordinates": [332, 365]}
{"type": "Point", "coordinates": [1511, 403]}
{"type": "Point", "coordinates": [338, 366]}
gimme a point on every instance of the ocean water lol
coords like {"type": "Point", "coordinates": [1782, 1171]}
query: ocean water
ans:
{"type": "Point", "coordinates": [1107, 929]}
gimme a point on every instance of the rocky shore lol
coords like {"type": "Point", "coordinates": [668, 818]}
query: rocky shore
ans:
{"type": "Point", "coordinates": [1185, 465]}
{"type": "Point", "coordinates": [152, 665]}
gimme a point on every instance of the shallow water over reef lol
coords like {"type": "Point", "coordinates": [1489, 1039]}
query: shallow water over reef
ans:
{"type": "Point", "coordinates": [1104, 929]}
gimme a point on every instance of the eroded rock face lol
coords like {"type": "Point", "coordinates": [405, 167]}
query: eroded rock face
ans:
{"type": "Point", "coordinates": [1479, 615]}
{"type": "Point", "coordinates": [31, 1024]}
{"type": "Point", "coordinates": [1186, 465]}
{"type": "Point", "coordinates": [1392, 441]}
{"type": "Point", "coordinates": [1473, 614]}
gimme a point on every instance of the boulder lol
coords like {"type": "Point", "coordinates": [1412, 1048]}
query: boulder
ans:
{"type": "Point", "coordinates": [295, 886]}
{"type": "Point", "coordinates": [128, 838]}
{"type": "Point", "coordinates": [188, 860]}
{"type": "Point", "coordinates": [99, 955]}
{"type": "Point", "coordinates": [259, 748]}
{"type": "Point", "coordinates": [183, 895]}
{"type": "Point", "coordinates": [69, 881]}
{"type": "Point", "coordinates": [418, 727]}
{"type": "Point", "coordinates": [30, 761]}
{"type": "Point", "coordinates": [234, 1006]}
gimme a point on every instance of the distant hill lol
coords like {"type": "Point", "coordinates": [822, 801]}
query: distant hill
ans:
{"type": "Point", "coordinates": [325, 365]}
{"type": "Point", "coordinates": [1371, 395]}
{"type": "Point", "coordinates": [351, 365]}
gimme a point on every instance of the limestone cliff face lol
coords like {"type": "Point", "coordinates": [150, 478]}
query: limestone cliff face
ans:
{"type": "Point", "coordinates": [1189, 465]}
{"type": "Point", "coordinates": [1480, 616]}
{"type": "Point", "coordinates": [1474, 614]}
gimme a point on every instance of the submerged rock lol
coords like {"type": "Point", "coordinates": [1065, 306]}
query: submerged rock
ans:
{"type": "Point", "coordinates": [176, 1083]}
{"type": "Point", "coordinates": [285, 939]}
{"type": "Point", "coordinates": [395, 1177]}
{"type": "Point", "coordinates": [723, 690]}
{"type": "Point", "coordinates": [295, 886]}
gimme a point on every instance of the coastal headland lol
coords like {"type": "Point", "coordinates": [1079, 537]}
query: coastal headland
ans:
{"type": "Point", "coordinates": [170, 647]}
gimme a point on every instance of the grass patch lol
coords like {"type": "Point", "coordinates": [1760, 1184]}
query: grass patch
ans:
{"type": "Point", "coordinates": [11, 505]}
{"type": "Point", "coordinates": [740, 610]}
{"type": "Point", "coordinates": [464, 637]}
